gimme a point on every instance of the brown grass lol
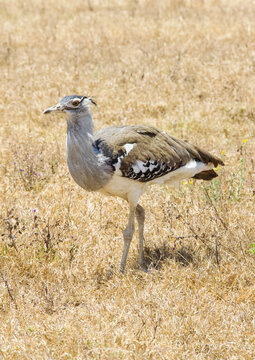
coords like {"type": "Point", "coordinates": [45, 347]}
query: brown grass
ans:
{"type": "Point", "coordinates": [187, 67]}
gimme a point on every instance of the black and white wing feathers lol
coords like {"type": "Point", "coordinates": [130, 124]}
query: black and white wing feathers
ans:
{"type": "Point", "coordinates": [144, 153]}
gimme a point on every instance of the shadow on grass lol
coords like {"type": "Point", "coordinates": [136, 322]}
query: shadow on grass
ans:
{"type": "Point", "coordinates": [154, 258]}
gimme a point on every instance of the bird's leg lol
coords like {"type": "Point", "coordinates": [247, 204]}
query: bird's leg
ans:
{"type": "Point", "coordinates": [140, 216]}
{"type": "Point", "coordinates": [127, 235]}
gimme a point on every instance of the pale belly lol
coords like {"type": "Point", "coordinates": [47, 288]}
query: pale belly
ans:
{"type": "Point", "coordinates": [125, 188]}
{"type": "Point", "coordinates": [131, 190]}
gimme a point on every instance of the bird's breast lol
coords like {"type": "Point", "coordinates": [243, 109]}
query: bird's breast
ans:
{"type": "Point", "coordinates": [84, 166]}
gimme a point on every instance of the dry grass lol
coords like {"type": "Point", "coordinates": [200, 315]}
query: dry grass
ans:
{"type": "Point", "coordinates": [187, 67]}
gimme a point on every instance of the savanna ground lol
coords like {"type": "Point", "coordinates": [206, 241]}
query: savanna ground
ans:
{"type": "Point", "coordinates": [187, 67]}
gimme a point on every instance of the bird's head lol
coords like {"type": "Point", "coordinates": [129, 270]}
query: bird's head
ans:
{"type": "Point", "coordinates": [73, 104]}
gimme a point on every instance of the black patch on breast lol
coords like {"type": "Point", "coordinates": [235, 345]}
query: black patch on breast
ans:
{"type": "Point", "coordinates": [102, 147]}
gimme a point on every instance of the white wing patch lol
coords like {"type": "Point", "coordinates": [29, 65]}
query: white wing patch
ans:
{"type": "Point", "coordinates": [192, 164]}
{"type": "Point", "coordinates": [128, 147]}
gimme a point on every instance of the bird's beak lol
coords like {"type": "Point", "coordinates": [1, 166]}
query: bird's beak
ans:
{"type": "Point", "coordinates": [54, 108]}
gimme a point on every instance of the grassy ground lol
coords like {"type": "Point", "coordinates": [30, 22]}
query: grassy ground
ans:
{"type": "Point", "coordinates": [187, 67]}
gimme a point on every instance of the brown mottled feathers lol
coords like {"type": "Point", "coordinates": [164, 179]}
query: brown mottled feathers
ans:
{"type": "Point", "coordinates": [151, 145]}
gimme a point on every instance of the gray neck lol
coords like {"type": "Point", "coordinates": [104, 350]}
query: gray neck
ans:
{"type": "Point", "coordinates": [81, 122]}
{"type": "Point", "coordinates": [86, 168]}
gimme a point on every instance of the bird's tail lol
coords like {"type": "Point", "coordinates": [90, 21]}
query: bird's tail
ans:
{"type": "Point", "coordinates": [206, 175]}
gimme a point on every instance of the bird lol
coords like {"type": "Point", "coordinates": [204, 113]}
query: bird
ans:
{"type": "Point", "coordinates": [125, 160]}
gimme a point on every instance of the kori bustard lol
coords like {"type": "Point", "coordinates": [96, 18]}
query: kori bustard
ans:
{"type": "Point", "coordinates": [124, 160]}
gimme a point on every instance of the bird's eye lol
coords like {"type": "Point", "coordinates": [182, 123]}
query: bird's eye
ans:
{"type": "Point", "coordinates": [75, 102]}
